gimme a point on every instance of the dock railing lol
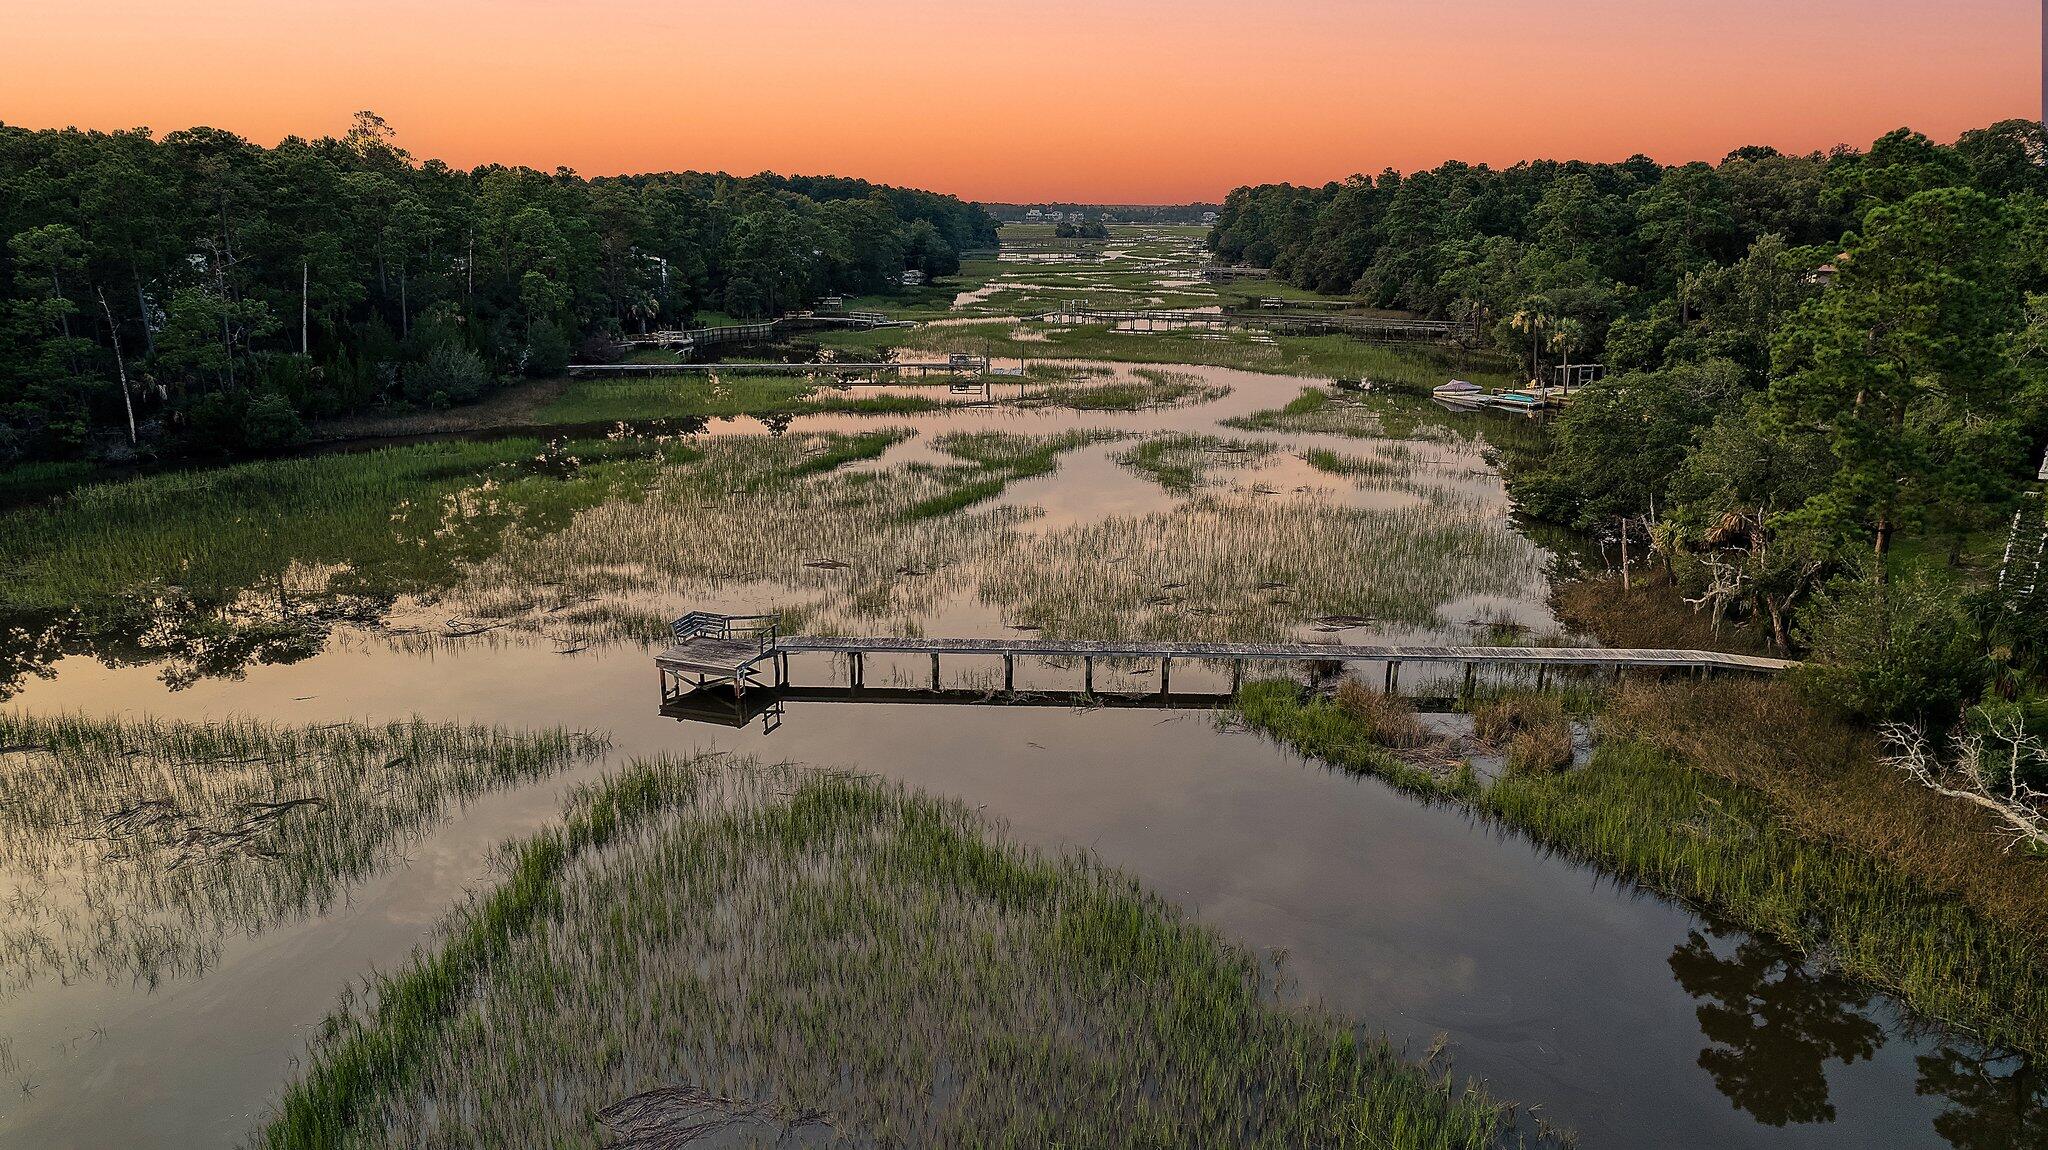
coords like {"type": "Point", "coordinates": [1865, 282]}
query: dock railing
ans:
{"type": "Point", "coordinates": [765, 630]}
{"type": "Point", "coordinates": [712, 625]}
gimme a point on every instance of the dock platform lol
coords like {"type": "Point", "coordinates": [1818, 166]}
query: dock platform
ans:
{"type": "Point", "coordinates": [712, 649]}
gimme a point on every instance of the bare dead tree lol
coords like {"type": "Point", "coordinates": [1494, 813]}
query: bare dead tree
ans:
{"type": "Point", "coordinates": [120, 361]}
{"type": "Point", "coordinates": [1982, 768]}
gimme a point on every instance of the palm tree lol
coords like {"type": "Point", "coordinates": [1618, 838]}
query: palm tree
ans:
{"type": "Point", "coordinates": [1566, 336]}
{"type": "Point", "coordinates": [1533, 320]}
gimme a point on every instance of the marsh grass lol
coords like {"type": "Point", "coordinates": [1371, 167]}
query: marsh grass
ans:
{"type": "Point", "coordinates": [1146, 389]}
{"type": "Point", "coordinates": [134, 848]}
{"type": "Point", "coordinates": [828, 943]}
{"type": "Point", "coordinates": [204, 571]}
{"type": "Point", "coordinates": [1359, 466]}
{"type": "Point", "coordinates": [1412, 368]}
{"type": "Point", "coordinates": [836, 548]}
{"type": "Point", "coordinates": [1729, 797]}
{"type": "Point", "coordinates": [1181, 462]}
{"type": "Point", "coordinates": [1532, 731]}
{"type": "Point", "coordinates": [1222, 568]}
{"type": "Point", "coordinates": [1019, 456]}
{"type": "Point", "coordinates": [1651, 614]}
{"type": "Point", "coordinates": [590, 399]}
{"type": "Point", "coordinates": [381, 514]}
{"type": "Point", "coordinates": [1388, 720]}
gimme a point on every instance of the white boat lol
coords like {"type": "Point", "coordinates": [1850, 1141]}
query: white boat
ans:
{"type": "Point", "coordinates": [1459, 393]}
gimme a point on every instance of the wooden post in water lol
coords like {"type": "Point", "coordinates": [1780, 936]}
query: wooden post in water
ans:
{"type": "Point", "coordinates": [1393, 676]}
{"type": "Point", "coordinates": [854, 668]}
{"type": "Point", "coordinates": [1010, 674]}
{"type": "Point", "coordinates": [1165, 676]}
{"type": "Point", "coordinates": [1236, 676]}
{"type": "Point", "coordinates": [1542, 675]}
{"type": "Point", "coordinates": [1088, 674]}
{"type": "Point", "coordinates": [935, 671]}
{"type": "Point", "coordinates": [1470, 670]}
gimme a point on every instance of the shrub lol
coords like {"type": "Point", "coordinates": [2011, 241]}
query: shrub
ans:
{"type": "Point", "coordinates": [547, 350]}
{"type": "Point", "coordinates": [448, 373]}
{"type": "Point", "coordinates": [229, 423]}
{"type": "Point", "coordinates": [271, 423]}
{"type": "Point", "coordinates": [1897, 650]}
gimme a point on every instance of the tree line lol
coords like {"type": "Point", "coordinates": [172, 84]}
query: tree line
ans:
{"type": "Point", "coordinates": [1827, 374]}
{"type": "Point", "coordinates": [199, 293]}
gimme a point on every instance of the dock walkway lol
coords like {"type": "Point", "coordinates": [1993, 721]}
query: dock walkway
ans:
{"type": "Point", "coordinates": [1384, 328]}
{"type": "Point", "coordinates": [716, 649]}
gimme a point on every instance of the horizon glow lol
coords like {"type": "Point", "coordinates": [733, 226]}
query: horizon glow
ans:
{"type": "Point", "coordinates": [1126, 101]}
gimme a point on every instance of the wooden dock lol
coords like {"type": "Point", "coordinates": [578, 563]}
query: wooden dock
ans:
{"type": "Point", "coordinates": [1375, 328]}
{"type": "Point", "coordinates": [876, 374]}
{"type": "Point", "coordinates": [720, 650]}
{"type": "Point", "coordinates": [688, 340]}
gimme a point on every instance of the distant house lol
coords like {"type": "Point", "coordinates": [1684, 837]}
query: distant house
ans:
{"type": "Point", "coordinates": [913, 278]}
{"type": "Point", "coordinates": [1034, 214]}
{"type": "Point", "coordinates": [1208, 217]}
{"type": "Point", "coordinates": [1825, 274]}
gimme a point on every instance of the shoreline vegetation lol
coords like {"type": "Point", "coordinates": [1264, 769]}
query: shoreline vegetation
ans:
{"type": "Point", "coordinates": [1743, 800]}
{"type": "Point", "coordinates": [936, 984]}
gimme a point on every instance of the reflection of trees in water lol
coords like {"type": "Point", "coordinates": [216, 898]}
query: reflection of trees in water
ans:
{"type": "Point", "coordinates": [189, 638]}
{"type": "Point", "coordinates": [1773, 1025]}
{"type": "Point", "coordinates": [1996, 1101]}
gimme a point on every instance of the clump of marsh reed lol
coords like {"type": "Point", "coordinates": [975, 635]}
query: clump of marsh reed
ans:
{"type": "Point", "coordinates": [1014, 456]}
{"type": "Point", "coordinates": [1363, 466]}
{"type": "Point", "coordinates": [1388, 720]}
{"type": "Point", "coordinates": [1180, 462]}
{"type": "Point", "coordinates": [1217, 569]}
{"type": "Point", "coordinates": [1547, 747]}
{"type": "Point", "coordinates": [1502, 717]}
{"type": "Point", "coordinates": [821, 943]}
{"type": "Point", "coordinates": [132, 848]}
{"type": "Point", "coordinates": [1146, 389]}
{"type": "Point", "coordinates": [1000, 458]}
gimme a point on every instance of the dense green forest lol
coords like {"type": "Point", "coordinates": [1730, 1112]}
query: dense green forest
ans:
{"type": "Point", "coordinates": [1827, 375]}
{"type": "Point", "coordinates": [201, 294]}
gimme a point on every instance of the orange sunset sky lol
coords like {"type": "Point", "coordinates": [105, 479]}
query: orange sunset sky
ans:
{"type": "Point", "coordinates": [1116, 101]}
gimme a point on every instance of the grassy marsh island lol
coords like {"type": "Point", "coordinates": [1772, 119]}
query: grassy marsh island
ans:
{"type": "Point", "coordinates": [722, 944]}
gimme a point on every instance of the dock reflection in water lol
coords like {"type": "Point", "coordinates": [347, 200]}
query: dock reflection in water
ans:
{"type": "Point", "coordinates": [721, 706]}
